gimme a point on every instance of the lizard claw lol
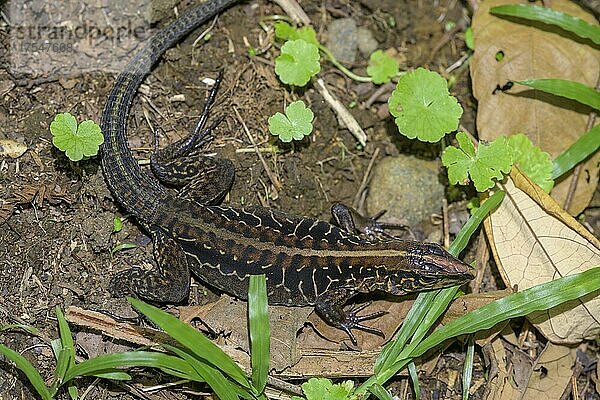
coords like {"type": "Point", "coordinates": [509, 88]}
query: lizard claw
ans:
{"type": "Point", "coordinates": [353, 321]}
{"type": "Point", "coordinates": [354, 222]}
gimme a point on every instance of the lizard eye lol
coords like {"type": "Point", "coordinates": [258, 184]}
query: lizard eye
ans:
{"type": "Point", "coordinates": [430, 268]}
{"type": "Point", "coordinates": [436, 250]}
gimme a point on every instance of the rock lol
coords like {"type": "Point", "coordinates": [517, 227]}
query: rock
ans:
{"type": "Point", "coordinates": [366, 42]}
{"type": "Point", "coordinates": [342, 39]}
{"type": "Point", "coordinates": [407, 187]}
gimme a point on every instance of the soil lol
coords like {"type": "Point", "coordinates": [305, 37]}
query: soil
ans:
{"type": "Point", "coordinates": [56, 221]}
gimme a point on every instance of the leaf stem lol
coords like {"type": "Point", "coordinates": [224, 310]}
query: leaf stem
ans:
{"type": "Point", "coordinates": [345, 70]}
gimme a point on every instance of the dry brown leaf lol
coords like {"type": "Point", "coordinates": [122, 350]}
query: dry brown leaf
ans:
{"type": "Point", "coordinates": [534, 53]}
{"type": "Point", "coordinates": [11, 148]}
{"type": "Point", "coordinates": [551, 373]}
{"type": "Point", "coordinates": [229, 315]}
{"type": "Point", "coordinates": [306, 362]}
{"type": "Point", "coordinates": [501, 385]}
{"type": "Point", "coordinates": [534, 242]}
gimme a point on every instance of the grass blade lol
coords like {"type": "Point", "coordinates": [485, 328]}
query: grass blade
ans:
{"type": "Point", "coordinates": [29, 370]}
{"type": "Point", "coordinates": [540, 297]}
{"type": "Point", "coordinates": [223, 387]}
{"type": "Point", "coordinates": [414, 377]}
{"type": "Point", "coordinates": [584, 147]}
{"type": "Point", "coordinates": [549, 16]}
{"type": "Point", "coordinates": [26, 328]}
{"type": "Point", "coordinates": [536, 298]}
{"type": "Point", "coordinates": [468, 369]}
{"type": "Point", "coordinates": [101, 364]}
{"type": "Point", "coordinates": [66, 353]}
{"type": "Point", "coordinates": [430, 305]}
{"type": "Point", "coordinates": [114, 374]}
{"type": "Point", "coordinates": [380, 392]}
{"type": "Point", "coordinates": [258, 320]}
{"type": "Point", "coordinates": [193, 340]}
{"type": "Point", "coordinates": [568, 89]}
{"type": "Point", "coordinates": [413, 319]}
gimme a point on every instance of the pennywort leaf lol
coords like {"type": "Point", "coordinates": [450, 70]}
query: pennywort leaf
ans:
{"type": "Point", "coordinates": [423, 107]}
{"type": "Point", "coordinates": [382, 67]}
{"type": "Point", "coordinates": [534, 162]}
{"type": "Point", "coordinates": [76, 141]}
{"type": "Point", "coordinates": [325, 389]}
{"type": "Point", "coordinates": [298, 62]}
{"type": "Point", "coordinates": [285, 31]}
{"type": "Point", "coordinates": [294, 125]}
{"type": "Point", "coordinates": [484, 165]}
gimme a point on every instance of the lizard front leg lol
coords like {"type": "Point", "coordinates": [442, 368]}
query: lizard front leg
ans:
{"type": "Point", "coordinates": [167, 282]}
{"type": "Point", "coordinates": [354, 222]}
{"type": "Point", "coordinates": [330, 307]}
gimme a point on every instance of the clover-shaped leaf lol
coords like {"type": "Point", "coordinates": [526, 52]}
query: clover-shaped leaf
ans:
{"type": "Point", "coordinates": [488, 162]}
{"type": "Point", "coordinates": [285, 31]}
{"type": "Point", "coordinates": [324, 389]}
{"type": "Point", "coordinates": [295, 124]}
{"type": "Point", "coordinates": [423, 107]}
{"type": "Point", "coordinates": [382, 67]}
{"type": "Point", "coordinates": [76, 141]}
{"type": "Point", "coordinates": [298, 62]}
{"type": "Point", "coordinates": [532, 161]}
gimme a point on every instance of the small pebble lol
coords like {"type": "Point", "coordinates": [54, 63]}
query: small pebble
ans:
{"type": "Point", "coordinates": [343, 39]}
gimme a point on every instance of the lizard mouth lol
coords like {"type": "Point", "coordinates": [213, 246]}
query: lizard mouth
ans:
{"type": "Point", "coordinates": [445, 268]}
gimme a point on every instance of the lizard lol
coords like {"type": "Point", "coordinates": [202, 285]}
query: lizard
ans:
{"type": "Point", "coordinates": [306, 261]}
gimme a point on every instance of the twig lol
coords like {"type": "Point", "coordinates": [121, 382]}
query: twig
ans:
{"type": "Point", "coordinates": [365, 180]}
{"type": "Point", "coordinates": [296, 12]}
{"type": "Point", "coordinates": [342, 113]}
{"type": "Point", "coordinates": [445, 223]}
{"type": "Point", "coordinates": [383, 89]}
{"type": "Point", "coordinates": [205, 32]}
{"type": "Point", "coordinates": [270, 173]}
{"type": "Point", "coordinates": [293, 9]}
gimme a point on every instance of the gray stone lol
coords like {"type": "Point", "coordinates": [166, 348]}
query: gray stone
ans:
{"type": "Point", "coordinates": [366, 41]}
{"type": "Point", "coordinates": [407, 187]}
{"type": "Point", "coordinates": [342, 39]}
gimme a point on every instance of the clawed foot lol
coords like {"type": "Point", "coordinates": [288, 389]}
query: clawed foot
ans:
{"type": "Point", "coordinates": [354, 222]}
{"type": "Point", "coordinates": [353, 321]}
{"type": "Point", "coordinates": [199, 137]}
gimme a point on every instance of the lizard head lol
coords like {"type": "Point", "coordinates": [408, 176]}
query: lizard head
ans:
{"type": "Point", "coordinates": [430, 267]}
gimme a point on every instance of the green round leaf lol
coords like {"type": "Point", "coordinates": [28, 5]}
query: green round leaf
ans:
{"type": "Point", "coordinates": [423, 107]}
{"type": "Point", "coordinates": [488, 163]}
{"type": "Point", "coordinates": [76, 142]}
{"type": "Point", "coordinates": [382, 67]}
{"type": "Point", "coordinates": [294, 125]}
{"type": "Point", "coordinates": [297, 63]}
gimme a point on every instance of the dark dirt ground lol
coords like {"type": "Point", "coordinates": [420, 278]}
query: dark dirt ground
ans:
{"type": "Point", "coordinates": [57, 217]}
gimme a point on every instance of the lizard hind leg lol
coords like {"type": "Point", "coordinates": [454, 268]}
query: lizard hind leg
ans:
{"type": "Point", "coordinates": [167, 282]}
{"type": "Point", "coordinates": [200, 178]}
